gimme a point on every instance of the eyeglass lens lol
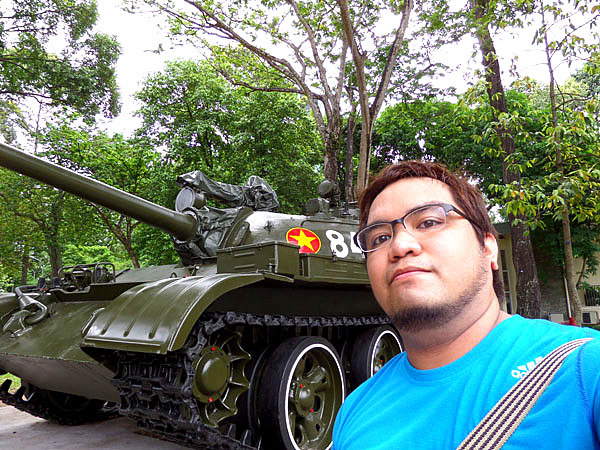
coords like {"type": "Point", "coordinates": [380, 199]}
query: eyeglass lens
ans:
{"type": "Point", "coordinates": [419, 221]}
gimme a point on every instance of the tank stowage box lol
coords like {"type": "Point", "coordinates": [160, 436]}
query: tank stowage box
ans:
{"type": "Point", "coordinates": [251, 341]}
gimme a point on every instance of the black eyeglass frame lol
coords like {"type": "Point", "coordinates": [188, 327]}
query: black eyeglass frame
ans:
{"type": "Point", "coordinates": [447, 207]}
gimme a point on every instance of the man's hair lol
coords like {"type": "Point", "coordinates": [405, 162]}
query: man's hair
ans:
{"type": "Point", "coordinates": [467, 197]}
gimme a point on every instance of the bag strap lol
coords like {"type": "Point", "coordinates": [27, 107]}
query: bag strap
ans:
{"type": "Point", "coordinates": [504, 418]}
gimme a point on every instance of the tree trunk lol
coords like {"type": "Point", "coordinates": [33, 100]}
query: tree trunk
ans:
{"type": "Point", "coordinates": [348, 182]}
{"type": "Point", "coordinates": [25, 264]}
{"type": "Point", "coordinates": [570, 268]}
{"type": "Point", "coordinates": [370, 113]}
{"type": "Point", "coordinates": [131, 252]}
{"type": "Point", "coordinates": [55, 255]}
{"type": "Point", "coordinates": [527, 286]}
{"type": "Point", "coordinates": [330, 156]}
{"type": "Point", "coordinates": [570, 273]}
{"type": "Point", "coordinates": [364, 159]}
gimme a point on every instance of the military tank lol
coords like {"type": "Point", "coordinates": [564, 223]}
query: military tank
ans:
{"type": "Point", "coordinates": [251, 341]}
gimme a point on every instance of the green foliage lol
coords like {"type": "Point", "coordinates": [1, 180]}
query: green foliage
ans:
{"type": "Point", "coordinates": [543, 191]}
{"type": "Point", "coordinates": [38, 213]}
{"type": "Point", "coordinates": [204, 123]}
{"type": "Point", "coordinates": [16, 382]}
{"type": "Point", "coordinates": [122, 163]}
{"type": "Point", "coordinates": [81, 75]}
{"type": "Point", "coordinates": [589, 76]}
{"type": "Point", "coordinates": [340, 56]}
{"type": "Point", "coordinates": [11, 119]}
{"type": "Point", "coordinates": [16, 236]}
{"type": "Point", "coordinates": [463, 135]}
{"type": "Point", "coordinates": [441, 131]}
{"type": "Point", "coordinates": [585, 246]}
{"type": "Point", "coordinates": [153, 247]}
{"type": "Point", "coordinates": [88, 254]}
{"type": "Point", "coordinates": [5, 280]}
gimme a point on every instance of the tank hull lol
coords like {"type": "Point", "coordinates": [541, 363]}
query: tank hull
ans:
{"type": "Point", "coordinates": [51, 356]}
{"type": "Point", "coordinates": [251, 342]}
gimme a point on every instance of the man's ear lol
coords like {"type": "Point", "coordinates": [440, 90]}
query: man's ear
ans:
{"type": "Point", "coordinates": [490, 250]}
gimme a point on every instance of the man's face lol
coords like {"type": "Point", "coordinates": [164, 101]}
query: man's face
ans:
{"type": "Point", "coordinates": [427, 281]}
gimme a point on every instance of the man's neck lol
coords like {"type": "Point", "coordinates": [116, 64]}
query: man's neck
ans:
{"type": "Point", "coordinates": [435, 348]}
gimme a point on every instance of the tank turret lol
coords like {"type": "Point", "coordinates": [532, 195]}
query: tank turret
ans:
{"type": "Point", "coordinates": [251, 341]}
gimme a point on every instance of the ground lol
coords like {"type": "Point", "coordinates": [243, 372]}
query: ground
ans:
{"type": "Point", "coordinates": [19, 430]}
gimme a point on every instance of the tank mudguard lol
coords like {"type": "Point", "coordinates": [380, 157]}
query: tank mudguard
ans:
{"type": "Point", "coordinates": [157, 317]}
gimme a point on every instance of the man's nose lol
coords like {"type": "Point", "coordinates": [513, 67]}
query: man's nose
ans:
{"type": "Point", "coordinates": [403, 243]}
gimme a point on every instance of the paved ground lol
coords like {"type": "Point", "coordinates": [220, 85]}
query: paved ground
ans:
{"type": "Point", "coordinates": [19, 430]}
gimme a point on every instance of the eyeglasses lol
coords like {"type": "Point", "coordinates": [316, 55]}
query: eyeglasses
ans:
{"type": "Point", "coordinates": [418, 222]}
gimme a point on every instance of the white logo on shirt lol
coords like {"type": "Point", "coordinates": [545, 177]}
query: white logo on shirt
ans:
{"type": "Point", "coordinates": [521, 371]}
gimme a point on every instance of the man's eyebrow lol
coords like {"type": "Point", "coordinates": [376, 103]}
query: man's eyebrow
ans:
{"type": "Point", "coordinates": [414, 208]}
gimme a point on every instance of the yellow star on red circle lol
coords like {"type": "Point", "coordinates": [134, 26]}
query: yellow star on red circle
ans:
{"type": "Point", "coordinates": [308, 240]}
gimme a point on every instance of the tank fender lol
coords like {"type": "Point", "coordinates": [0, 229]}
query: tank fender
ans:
{"type": "Point", "coordinates": [157, 317]}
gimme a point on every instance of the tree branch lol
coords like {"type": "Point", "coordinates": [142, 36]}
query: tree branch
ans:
{"type": "Point", "coordinates": [236, 82]}
{"type": "Point", "coordinates": [390, 62]}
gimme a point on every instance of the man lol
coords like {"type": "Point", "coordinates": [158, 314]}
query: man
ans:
{"type": "Point", "coordinates": [431, 256]}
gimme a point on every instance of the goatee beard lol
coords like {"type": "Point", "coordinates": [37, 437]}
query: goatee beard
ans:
{"type": "Point", "coordinates": [418, 318]}
{"type": "Point", "coordinates": [430, 316]}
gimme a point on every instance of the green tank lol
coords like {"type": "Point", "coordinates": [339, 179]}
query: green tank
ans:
{"type": "Point", "coordinates": [251, 341]}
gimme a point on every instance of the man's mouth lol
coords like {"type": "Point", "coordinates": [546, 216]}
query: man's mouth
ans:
{"type": "Point", "coordinates": [407, 272]}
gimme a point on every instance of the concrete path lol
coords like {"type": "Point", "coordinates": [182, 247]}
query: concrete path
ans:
{"type": "Point", "coordinates": [19, 430]}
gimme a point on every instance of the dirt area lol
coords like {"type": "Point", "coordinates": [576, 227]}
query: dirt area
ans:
{"type": "Point", "coordinates": [19, 430]}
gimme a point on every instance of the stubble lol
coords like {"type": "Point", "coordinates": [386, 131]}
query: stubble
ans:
{"type": "Point", "coordinates": [436, 314]}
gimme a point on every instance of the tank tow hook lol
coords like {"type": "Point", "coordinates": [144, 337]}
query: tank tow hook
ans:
{"type": "Point", "coordinates": [31, 311]}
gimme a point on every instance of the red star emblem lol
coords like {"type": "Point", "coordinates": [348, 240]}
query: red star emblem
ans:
{"type": "Point", "coordinates": [308, 241]}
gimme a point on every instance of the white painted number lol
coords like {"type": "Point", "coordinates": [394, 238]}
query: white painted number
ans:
{"type": "Point", "coordinates": [353, 246]}
{"type": "Point", "coordinates": [338, 245]}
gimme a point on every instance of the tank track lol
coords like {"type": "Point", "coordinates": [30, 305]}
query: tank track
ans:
{"type": "Point", "coordinates": [39, 407]}
{"type": "Point", "coordinates": [153, 388]}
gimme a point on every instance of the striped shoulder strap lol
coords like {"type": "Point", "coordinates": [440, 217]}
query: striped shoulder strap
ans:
{"type": "Point", "coordinates": [504, 418]}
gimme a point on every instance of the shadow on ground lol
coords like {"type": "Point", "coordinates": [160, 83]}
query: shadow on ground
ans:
{"type": "Point", "coordinates": [19, 430]}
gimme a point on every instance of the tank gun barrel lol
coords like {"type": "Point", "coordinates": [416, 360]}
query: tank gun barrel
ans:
{"type": "Point", "coordinates": [180, 225]}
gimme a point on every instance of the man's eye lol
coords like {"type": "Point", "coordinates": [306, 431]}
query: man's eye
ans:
{"type": "Point", "coordinates": [378, 239]}
{"type": "Point", "coordinates": [429, 223]}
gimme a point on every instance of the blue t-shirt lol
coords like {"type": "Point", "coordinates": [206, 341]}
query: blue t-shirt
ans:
{"type": "Point", "coordinates": [405, 408]}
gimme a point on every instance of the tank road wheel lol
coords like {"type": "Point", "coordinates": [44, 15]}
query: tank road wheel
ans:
{"type": "Point", "coordinates": [302, 389]}
{"type": "Point", "coordinates": [371, 350]}
{"type": "Point", "coordinates": [219, 376]}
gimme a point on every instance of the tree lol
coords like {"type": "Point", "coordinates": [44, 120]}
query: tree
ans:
{"type": "Point", "coordinates": [354, 31]}
{"type": "Point", "coordinates": [307, 54]}
{"type": "Point", "coordinates": [561, 181]}
{"type": "Point", "coordinates": [205, 123]}
{"type": "Point", "coordinates": [41, 206]}
{"type": "Point", "coordinates": [566, 166]}
{"type": "Point", "coordinates": [20, 243]}
{"type": "Point", "coordinates": [94, 253]}
{"type": "Point", "coordinates": [81, 75]}
{"type": "Point", "coordinates": [527, 286]}
{"type": "Point", "coordinates": [589, 76]}
{"type": "Point", "coordinates": [568, 45]}
{"type": "Point", "coordinates": [437, 130]}
{"type": "Point", "coordinates": [114, 160]}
